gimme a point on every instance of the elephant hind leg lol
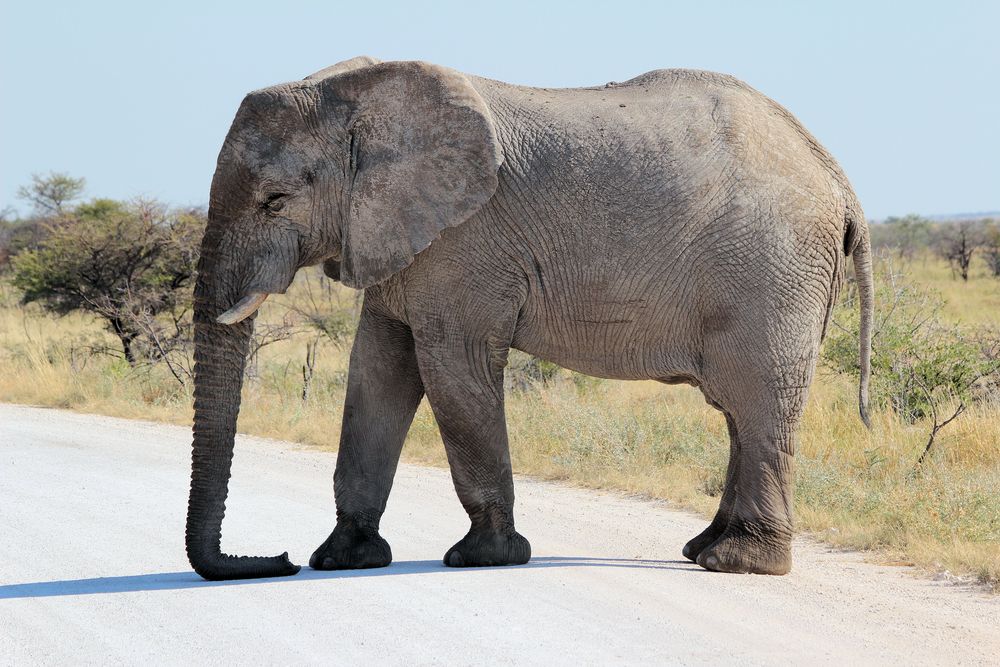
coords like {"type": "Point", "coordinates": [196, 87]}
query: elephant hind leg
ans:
{"type": "Point", "coordinates": [714, 531]}
{"type": "Point", "coordinates": [758, 536]}
{"type": "Point", "coordinates": [763, 397]}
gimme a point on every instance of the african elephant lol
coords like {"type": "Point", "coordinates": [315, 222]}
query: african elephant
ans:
{"type": "Point", "coordinates": [679, 226]}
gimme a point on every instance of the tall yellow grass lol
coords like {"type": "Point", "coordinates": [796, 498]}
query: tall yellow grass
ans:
{"type": "Point", "coordinates": [855, 488]}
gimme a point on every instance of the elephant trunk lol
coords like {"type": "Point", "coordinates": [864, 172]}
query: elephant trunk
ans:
{"type": "Point", "coordinates": [220, 357]}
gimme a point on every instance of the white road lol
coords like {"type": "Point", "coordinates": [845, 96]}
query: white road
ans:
{"type": "Point", "coordinates": [92, 571]}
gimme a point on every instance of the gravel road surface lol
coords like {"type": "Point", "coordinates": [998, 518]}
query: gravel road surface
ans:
{"type": "Point", "coordinates": [93, 571]}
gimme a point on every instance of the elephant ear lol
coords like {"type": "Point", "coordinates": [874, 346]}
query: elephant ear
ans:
{"type": "Point", "coordinates": [424, 157]}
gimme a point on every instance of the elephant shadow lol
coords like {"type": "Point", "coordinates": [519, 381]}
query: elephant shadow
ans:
{"type": "Point", "coordinates": [169, 581]}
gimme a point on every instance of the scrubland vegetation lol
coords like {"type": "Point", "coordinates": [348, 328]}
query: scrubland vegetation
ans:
{"type": "Point", "coordinates": [920, 487]}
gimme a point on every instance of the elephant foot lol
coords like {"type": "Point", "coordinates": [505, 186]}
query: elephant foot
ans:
{"type": "Point", "coordinates": [488, 548]}
{"type": "Point", "coordinates": [704, 539]}
{"type": "Point", "coordinates": [351, 547]}
{"type": "Point", "coordinates": [749, 548]}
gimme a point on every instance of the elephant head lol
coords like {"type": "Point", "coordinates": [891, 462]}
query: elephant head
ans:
{"type": "Point", "coordinates": [360, 166]}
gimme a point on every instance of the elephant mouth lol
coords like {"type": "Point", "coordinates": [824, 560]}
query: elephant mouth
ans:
{"type": "Point", "coordinates": [243, 309]}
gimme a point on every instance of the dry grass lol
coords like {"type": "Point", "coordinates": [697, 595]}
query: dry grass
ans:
{"type": "Point", "coordinates": [974, 302]}
{"type": "Point", "coordinates": [855, 488]}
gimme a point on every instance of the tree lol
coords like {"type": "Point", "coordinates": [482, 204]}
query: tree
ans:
{"type": "Point", "coordinates": [957, 242]}
{"type": "Point", "coordinates": [991, 246]}
{"type": "Point", "coordinates": [18, 235]}
{"type": "Point", "coordinates": [130, 264]}
{"type": "Point", "coordinates": [50, 194]}
{"type": "Point", "coordinates": [905, 235]}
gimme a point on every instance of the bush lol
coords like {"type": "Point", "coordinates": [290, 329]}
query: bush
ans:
{"type": "Point", "coordinates": [921, 366]}
{"type": "Point", "coordinates": [904, 235]}
{"type": "Point", "coordinates": [130, 264]}
{"type": "Point", "coordinates": [17, 235]}
{"type": "Point", "coordinates": [524, 371]}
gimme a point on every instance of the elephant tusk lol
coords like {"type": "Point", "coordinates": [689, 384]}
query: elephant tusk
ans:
{"type": "Point", "coordinates": [246, 307]}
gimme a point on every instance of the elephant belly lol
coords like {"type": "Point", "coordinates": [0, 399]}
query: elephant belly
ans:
{"type": "Point", "coordinates": [625, 339]}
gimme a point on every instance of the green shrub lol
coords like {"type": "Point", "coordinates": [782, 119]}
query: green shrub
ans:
{"type": "Point", "coordinates": [922, 367]}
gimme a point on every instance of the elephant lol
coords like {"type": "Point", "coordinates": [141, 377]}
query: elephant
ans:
{"type": "Point", "coordinates": [679, 226]}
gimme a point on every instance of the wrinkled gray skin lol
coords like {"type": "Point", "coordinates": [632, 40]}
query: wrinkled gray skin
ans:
{"type": "Point", "coordinates": [679, 227]}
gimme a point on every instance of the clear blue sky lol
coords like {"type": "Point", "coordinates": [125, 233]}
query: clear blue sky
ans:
{"type": "Point", "coordinates": [137, 96]}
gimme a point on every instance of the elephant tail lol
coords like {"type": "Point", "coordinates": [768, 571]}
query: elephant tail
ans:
{"type": "Point", "coordinates": [858, 244]}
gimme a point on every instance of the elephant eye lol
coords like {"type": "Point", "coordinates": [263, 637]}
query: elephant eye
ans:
{"type": "Point", "coordinates": [275, 202]}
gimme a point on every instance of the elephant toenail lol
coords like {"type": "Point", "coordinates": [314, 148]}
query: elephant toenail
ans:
{"type": "Point", "coordinates": [712, 562]}
{"type": "Point", "coordinates": [455, 559]}
{"type": "Point", "coordinates": [327, 563]}
{"type": "Point", "coordinates": [686, 551]}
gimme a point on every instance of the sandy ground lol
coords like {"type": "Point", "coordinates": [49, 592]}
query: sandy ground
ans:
{"type": "Point", "coordinates": [92, 571]}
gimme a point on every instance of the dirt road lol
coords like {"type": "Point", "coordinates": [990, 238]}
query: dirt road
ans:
{"type": "Point", "coordinates": [92, 570]}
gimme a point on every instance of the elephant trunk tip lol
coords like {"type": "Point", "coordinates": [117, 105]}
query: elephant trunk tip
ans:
{"type": "Point", "coordinates": [223, 567]}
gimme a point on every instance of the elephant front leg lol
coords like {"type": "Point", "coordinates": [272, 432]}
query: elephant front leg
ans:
{"type": "Point", "coordinates": [464, 384]}
{"type": "Point", "coordinates": [383, 391]}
